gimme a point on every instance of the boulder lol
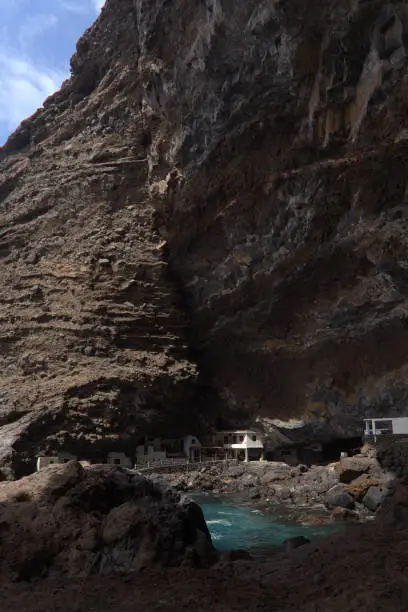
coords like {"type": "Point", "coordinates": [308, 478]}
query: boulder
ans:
{"type": "Point", "coordinates": [375, 497]}
{"type": "Point", "coordinates": [235, 471]}
{"type": "Point", "coordinates": [318, 479]}
{"type": "Point", "coordinates": [204, 482]}
{"type": "Point", "coordinates": [338, 496]}
{"type": "Point", "coordinates": [350, 468]}
{"type": "Point", "coordinates": [102, 520]}
{"type": "Point", "coordinates": [343, 514]}
{"type": "Point", "coordinates": [359, 487]}
{"type": "Point", "coordinates": [249, 480]}
{"type": "Point", "coordinates": [394, 509]}
{"type": "Point", "coordinates": [276, 471]}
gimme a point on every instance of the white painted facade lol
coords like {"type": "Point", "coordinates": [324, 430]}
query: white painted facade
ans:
{"type": "Point", "coordinates": [246, 443]}
{"type": "Point", "coordinates": [146, 454]}
{"type": "Point", "coordinates": [44, 461]}
{"type": "Point", "coordinates": [384, 426]}
{"type": "Point", "coordinates": [192, 448]}
{"type": "Point", "coordinates": [119, 459]}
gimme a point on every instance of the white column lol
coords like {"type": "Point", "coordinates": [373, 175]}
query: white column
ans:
{"type": "Point", "coordinates": [246, 455]}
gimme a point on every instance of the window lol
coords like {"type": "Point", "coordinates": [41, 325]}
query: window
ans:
{"type": "Point", "coordinates": [193, 440]}
{"type": "Point", "coordinates": [116, 461]}
{"type": "Point", "coordinates": [225, 439]}
{"type": "Point", "coordinates": [254, 438]}
{"type": "Point", "coordinates": [234, 439]}
{"type": "Point", "coordinates": [383, 427]}
{"type": "Point", "coordinates": [241, 438]}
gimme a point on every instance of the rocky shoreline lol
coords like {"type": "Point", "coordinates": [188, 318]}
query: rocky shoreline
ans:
{"type": "Point", "coordinates": [336, 574]}
{"type": "Point", "coordinates": [350, 489]}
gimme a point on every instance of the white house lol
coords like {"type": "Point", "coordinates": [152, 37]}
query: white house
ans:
{"type": "Point", "coordinates": [152, 450]}
{"type": "Point", "coordinates": [383, 426]}
{"type": "Point", "coordinates": [119, 459]}
{"type": "Point", "coordinates": [62, 457]}
{"type": "Point", "coordinates": [191, 448]}
{"type": "Point", "coordinates": [242, 444]}
{"type": "Point", "coordinates": [43, 462]}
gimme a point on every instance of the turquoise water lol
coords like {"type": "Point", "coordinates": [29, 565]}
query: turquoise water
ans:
{"type": "Point", "coordinates": [234, 526]}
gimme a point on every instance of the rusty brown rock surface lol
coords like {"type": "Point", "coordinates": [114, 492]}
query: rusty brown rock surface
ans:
{"type": "Point", "coordinates": [76, 522]}
{"type": "Point", "coordinates": [208, 222]}
{"type": "Point", "coordinates": [357, 571]}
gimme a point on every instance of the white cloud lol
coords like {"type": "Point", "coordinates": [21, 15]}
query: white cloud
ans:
{"type": "Point", "coordinates": [82, 6]}
{"type": "Point", "coordinates": [23, 88]}
{"type": "Point", "coordinates": [98, 4]}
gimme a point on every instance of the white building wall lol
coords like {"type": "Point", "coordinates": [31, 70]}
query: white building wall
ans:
{"type": "Point", "coordinates": [400, 426]}
{"type": "Point", "coordinates": [152, 455]}
{"type": "Point", "coordinates": [43, 462]}
{"type": "Point", "coordinates": [119, 459]}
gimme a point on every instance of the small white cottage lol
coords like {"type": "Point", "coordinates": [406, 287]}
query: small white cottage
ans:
{"type": "Point", "coordinates": [192, 448]}
{"type": "Point", "coordinates": [119, 459]}
{"type": "Point", "coordinates": [383, 426]}
{"type": "Point", "coordinates": [242, 444]}
{"type": "Point", "coordinates": [45, 461]}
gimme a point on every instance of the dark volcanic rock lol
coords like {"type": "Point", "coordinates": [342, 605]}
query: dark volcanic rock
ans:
{"type": "Point", "coordinates": [295, 542]}
{"type": "Point", "coordinates": [350, 468]}
{"type": "Point", "coordinates": [375, 497]}
{"type": "Point", "coordinates": [338, 496]}
{"type": "Point", "coordinates": [223, 180]}
{"type": "Point", "coordinates": [101, 520]}
{"type": "Point", "coordinates": [394, 509]}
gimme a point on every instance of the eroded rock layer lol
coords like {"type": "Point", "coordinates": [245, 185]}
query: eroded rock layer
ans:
{"type": "Point", "coordinates": [208, 223]}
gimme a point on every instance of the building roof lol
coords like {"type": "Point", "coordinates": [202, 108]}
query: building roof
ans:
{"type": "Point", "coordinates": [386, 419]}
{"type": "Point", "coordinates": [249, 444]}
{"type": "Point", "coordinates": [236, 431]}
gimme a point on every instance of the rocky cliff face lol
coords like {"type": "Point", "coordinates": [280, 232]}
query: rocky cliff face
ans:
{"type": "Point", "coordinates": [208, 223]}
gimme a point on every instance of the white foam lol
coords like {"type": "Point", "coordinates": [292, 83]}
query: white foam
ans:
{"type": "Point", "coordinates": [216, 536]}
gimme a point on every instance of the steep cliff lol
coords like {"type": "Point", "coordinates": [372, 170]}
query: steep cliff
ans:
{"type": "Point", "coordinates": [208, 224]}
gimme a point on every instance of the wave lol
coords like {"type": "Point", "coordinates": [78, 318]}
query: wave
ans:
{"type": "Point", "coordinates": [223, 522]}
{"type": "Point", "coordinates": [216, 537]}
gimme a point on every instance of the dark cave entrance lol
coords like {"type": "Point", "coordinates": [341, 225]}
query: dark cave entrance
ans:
{"type": "Point", "coordinates": [331, 451]}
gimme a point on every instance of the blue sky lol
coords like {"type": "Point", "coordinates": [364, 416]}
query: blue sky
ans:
{"type": "Point", "coordinates": [37, 39]}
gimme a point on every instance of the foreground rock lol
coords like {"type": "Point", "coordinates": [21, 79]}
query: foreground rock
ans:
{"type": "Point", "coordinates": [67, 520]}
{"type": "Point", "coordinates": [357, 571]}
{"type": "Point", "coordinates": [337, 496]}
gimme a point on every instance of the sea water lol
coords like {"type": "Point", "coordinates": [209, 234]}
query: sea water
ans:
{"type": "Point", "coordinates": [239, 526]}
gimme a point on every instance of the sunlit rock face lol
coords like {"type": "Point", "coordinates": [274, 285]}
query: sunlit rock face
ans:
{"type": "Point", "coordinates": [207, 225]}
